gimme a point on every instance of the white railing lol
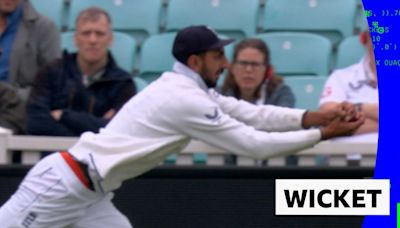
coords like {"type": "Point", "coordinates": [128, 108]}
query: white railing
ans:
{"type": "Point", "coordinates": [336, 151]}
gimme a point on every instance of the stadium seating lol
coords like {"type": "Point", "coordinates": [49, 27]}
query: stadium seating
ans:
{"type": "Point", "coordinates": [350, 51]}
{"type": "Point", "coordinates": [122, 48]}
{"type": "Point", "coordinates": [53, 9]}
{"type": "Point", "coordinates": [156, 55]}
{"type": "Point", "coordinates": [234, 18]}
{"type": "Point", "coordinates": [298, 53]}
{"type": "Point", "coordinates": [200, 158]}
{"type": "Point", "coordinates": [221, 79]}
{"type": "Point", "coordinates": [307, 90]}
{"type": "Point", "coordinates": [197, 159]}
{"type": "Point", "coordinates": [140, 18]}
{"type": "Point", "coordinates": [171, 159]}
{"type": "Point", "coordinates": [335, 19]}
{"type": "Point", "coordinates": [140, 84]}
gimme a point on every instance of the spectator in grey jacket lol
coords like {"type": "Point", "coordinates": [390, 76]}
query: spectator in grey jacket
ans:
{"type": "Point", "coordinates": [251, 78]}
{"type": "Point", "coordinates": [12, 109]}
{"type": "Point", "coordinates": [28, 41]}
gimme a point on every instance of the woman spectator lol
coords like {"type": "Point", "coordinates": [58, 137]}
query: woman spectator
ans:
{"type": "Point", "coordinates": [251, 78]}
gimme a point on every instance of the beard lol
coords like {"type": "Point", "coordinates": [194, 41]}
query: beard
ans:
{"type": "Point", "coordinates": [206, 74]}
{"type": "Point", "coordinates": [210, 84]}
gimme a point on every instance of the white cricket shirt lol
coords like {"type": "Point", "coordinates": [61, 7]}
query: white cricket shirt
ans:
{"type": "Point", "coordinates": [353, 84]}
{"type": "Point", "coordinates": [177, 107]}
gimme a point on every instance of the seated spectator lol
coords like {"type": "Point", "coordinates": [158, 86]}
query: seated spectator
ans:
{"type": "Point", "coordinates": [251, 78]}
{"type": "Point", "coordinates": [358, 85]}
{"type": "Point", "coordinates": [12, 109]}
{"type": "Point", "coordinates": [28, 41]}
{"type": "Point", "coordinates": [82, 91]}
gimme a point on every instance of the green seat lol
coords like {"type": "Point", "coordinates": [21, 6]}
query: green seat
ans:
{"type": "Point", "coordinates": [234, 18]}
{"type": "Point", "coordinates": [123, 48]}
{"type": "Point", "coordinates": [350, 51]}
{"type": "Point", "coordinates": [200, 158]}
{"type": "Point", "coordinates": [307, 90]}
{"type": "Point", "coordinates": [140, 18]}
{"type": "Point", "coordinates": [156, 56]}
{"type": "Point", "coordinates": [140, 84]}
{"type": "Point", "coordinates": [333, 18]}
{"type": "Point", "coordinates": [53, 9]}
{"type": "Point", "coordinates": [171, 159]}
{"type": "Point", "coordinates": [298, 53]}
{"type": "Point", "coordinates": [221, 80]}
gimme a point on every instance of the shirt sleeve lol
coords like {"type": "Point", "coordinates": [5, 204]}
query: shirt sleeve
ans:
{"type": "Point", "coordinates": [334, 90]}
{"type": "Point", "coordinates": [261, 117]}
{"type": "Point", "coordinates": [206, 121]}
{"type": "Point", "coordinates": [50, 42]}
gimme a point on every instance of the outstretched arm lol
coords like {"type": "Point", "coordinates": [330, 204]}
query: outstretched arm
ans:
{"type": "Point", "coordinates": [370, 111]}
{"type": "Point", "coordinates": [273, 118]}
{"type": "Point", "coordinates": [222, 130]}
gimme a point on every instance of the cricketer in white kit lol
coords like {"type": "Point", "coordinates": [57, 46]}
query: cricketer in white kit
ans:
{"type": "Point", "coordinates": [74, 188]}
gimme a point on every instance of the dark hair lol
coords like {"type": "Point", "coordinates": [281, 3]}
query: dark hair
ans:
{"type": "Point", "coordinates": [260, 45]}
{"type": "Point", "coordinates": [92, 14]}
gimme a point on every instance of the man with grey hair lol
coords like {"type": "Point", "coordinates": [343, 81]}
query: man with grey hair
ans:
{"type": "Point", "coordinates": [82, 91]}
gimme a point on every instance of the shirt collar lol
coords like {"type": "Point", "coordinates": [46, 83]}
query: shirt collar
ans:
{"type": "Point", "coordinates": [180, 68]}
{"type": "Point", "coordinates": [88, 80]}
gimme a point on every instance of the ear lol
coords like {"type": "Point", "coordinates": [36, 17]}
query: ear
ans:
{"type": "Point", "coordinates": [363, 38]}
{"type": "Point", "coordinates": [194, 62]}
{"type": "Point", "coordinates": [268, 72]}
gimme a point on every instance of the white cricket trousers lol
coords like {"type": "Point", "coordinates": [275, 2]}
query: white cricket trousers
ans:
{"type": "Point", "coordinates": [51, 196]}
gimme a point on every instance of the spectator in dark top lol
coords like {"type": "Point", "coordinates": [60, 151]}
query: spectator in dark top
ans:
{"type": "Point", "coordinates": [251, 77]}
{"type": "Point", "coordinates": [28, 41]}
{"type": "Point", "coordinates": [12, 109]}
{"type": "Point", "coordinates": [82, 91]}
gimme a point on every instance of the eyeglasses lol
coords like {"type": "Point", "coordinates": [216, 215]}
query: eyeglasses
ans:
{"type": "Point", "coordinates": [244, 64]}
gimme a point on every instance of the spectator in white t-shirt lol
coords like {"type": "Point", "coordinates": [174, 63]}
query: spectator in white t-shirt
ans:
{"type": "Point", "coordinates": [358, 85]}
